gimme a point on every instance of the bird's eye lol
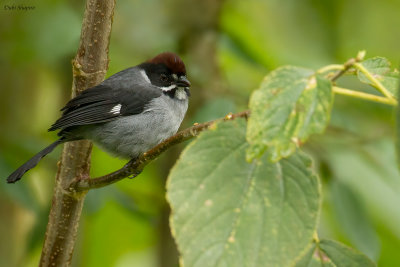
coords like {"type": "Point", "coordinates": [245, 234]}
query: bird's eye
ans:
{"type": "Point", "coordinates": [164, 78]}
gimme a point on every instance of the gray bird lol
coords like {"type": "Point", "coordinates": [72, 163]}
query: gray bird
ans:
{"type": "Point", "coordinates": [128, 113]}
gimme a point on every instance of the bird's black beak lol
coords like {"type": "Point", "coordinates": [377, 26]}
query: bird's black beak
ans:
{"type": "Point", "coordinates": [183, 82]}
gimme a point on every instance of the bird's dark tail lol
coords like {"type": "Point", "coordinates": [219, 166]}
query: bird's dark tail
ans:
{"type": "Point", "coordinates": [18, 173]}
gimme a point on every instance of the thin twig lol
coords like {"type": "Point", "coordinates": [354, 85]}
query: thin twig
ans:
{"type": "Point", "coordinates": [135, 166]}
{"type": "Point", "coordinates": [347, 65]}
{"type": "Point", "coordinates": [361, 95]}
{"type": "Point", "coordinates": [354, 62]}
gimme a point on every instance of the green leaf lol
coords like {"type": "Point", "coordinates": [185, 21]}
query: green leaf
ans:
{"type": "Point", "coordinates": [291, 104]}
{"type": "Point", "coordinates": [332, 253]}
{"type": "Point", "coordinates": [312, 259]}
{"type": "Point", "coordinates": [380, 68]}
{"type": "Point", "coordinates": [228, 212]}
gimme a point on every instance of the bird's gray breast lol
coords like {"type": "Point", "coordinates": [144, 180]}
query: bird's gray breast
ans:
{"type": "Point", "coordinates": [130, 136]}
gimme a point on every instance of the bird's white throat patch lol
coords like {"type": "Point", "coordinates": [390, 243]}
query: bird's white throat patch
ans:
{"type": "Point", "coordinates": [180, 93]}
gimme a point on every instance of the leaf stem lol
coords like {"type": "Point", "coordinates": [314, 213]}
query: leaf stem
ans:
{"type": "Point", "coordinates": [330, 68]}
{"type": "Point", "coordinates": [361, 95]}
{"type": "Point", "coordinates": [315, 237]}
{"type": "Point", "coordinates": [377, 84]}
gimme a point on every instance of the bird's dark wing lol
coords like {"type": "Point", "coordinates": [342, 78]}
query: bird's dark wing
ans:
{"type": "Point", "coordinates": [102, 104]}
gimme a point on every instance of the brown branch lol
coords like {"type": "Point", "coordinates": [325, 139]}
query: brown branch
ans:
{"type": "Point", "coordinates": [89, 68]}
{"type": "Point", "coordinates": [135, 166]}
{"type": "Point", "coordinates": [347, 65]}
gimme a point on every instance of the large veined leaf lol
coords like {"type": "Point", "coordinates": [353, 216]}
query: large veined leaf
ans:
{"type": "Point", "coordinates": [333, 254]}
{"type": "Point", "coordinates": [229, 212]}
{"type": "Point", "coordinates": [381, 69]}
{"type": "Point", "coordinates": [290, 105]}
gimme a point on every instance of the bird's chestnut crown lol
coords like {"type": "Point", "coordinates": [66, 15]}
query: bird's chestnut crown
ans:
{"type": "Point", "coordinates": [167, 71]}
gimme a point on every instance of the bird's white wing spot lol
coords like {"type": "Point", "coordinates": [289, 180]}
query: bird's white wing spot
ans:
{"type": "Point", "coordinates": [116, 109]}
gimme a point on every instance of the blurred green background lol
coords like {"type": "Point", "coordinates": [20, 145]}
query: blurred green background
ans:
{"type": "Point", "coordinates": [228, 46]}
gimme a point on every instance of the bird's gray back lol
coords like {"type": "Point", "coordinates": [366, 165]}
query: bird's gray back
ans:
{"type": "Point", "coordinates": [128, 78]}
